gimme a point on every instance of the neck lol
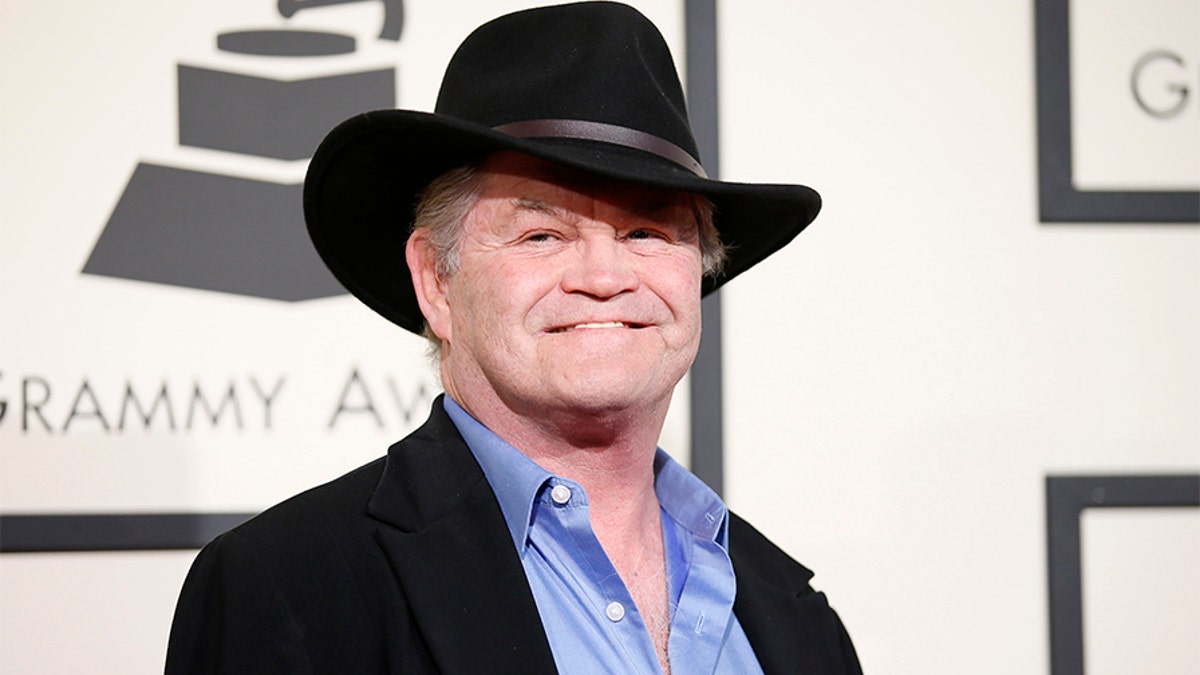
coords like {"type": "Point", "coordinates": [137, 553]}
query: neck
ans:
{"type": "Point", "coordinates": [609, 450]}
{"type": "Point", "coordinates": [610, 454]}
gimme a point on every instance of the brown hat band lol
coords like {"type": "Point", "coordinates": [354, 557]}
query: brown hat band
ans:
{"type": "Point", "coordinates": [606, 133]}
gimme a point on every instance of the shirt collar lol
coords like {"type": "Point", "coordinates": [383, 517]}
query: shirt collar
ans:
{"type": "Point", "coordinates": [689, 501]}
{"type": "Point", "coordinates": [516, 480]}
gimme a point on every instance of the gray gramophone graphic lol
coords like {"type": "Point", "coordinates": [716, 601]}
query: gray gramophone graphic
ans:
{"type": "Point", "coordinates": [239, 235]}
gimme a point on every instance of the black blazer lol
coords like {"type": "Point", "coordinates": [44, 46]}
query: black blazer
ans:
{"type": "Point", "coordinates": [406, 565]}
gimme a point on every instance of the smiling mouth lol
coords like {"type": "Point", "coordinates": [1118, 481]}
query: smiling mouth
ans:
{"type": "Point", "coordinates": [596, 324]}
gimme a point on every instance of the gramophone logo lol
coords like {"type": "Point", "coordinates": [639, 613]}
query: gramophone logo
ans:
{"type": "Point", "coordinates": [183, 227]}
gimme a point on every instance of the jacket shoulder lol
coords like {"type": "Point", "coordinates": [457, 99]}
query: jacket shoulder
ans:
{"type": "Point", "coordinates": [308, 518]}
{"type": "Point", "coordinates": [287, 589]}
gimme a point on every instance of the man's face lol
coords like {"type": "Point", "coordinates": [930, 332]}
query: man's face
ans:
{"type": "Point", "coordinates": [573, 292]}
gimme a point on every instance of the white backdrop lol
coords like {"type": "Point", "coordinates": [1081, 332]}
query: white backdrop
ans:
{"type": "Point", "coordinates": [898, 382]}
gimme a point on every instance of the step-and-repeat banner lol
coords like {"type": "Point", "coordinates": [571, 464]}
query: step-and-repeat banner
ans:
{"type": "Point", "coordinates": [967, 396]}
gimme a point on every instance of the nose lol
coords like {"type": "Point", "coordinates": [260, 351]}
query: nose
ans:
{"type": "Point", "coordinates": [603, 267]}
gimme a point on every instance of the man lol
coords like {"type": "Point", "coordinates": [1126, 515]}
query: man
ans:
{"type": "Point", "coordinates": [563, 236]}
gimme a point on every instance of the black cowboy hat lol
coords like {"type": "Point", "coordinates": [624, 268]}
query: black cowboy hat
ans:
{"type": "Point", "coordinates": [589, 85]}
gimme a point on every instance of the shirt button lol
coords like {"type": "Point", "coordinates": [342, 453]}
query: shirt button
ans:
{"type": "Point", "coordinates": [561, 494]}
{"type": "Point", "coordinates": [615, 611]}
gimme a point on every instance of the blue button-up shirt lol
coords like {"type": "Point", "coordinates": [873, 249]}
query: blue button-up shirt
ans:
{"type": "Point", "coordinates": [591, 621]}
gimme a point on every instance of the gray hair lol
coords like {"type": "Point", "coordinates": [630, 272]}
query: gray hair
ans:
{"type": "Point", "coordinates": [442, 210]}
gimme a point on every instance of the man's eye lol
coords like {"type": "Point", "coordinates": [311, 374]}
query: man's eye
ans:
{"type": "Point", "coordinates": [644, 234]}
{"type": "Point", "coordinates": [537, 237]}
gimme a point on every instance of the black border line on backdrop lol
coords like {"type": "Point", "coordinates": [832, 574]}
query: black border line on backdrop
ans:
{"type": "Point", "coordinates": [113, 532]}
{"type": "Point", "coordinates": [28, 533]}
{"type": "Point", "coordinates": [1058, 200]}
{"type": "Point", "coordinates": [1066, 498]}
{"type": "Point", "coordinates": [706, 424]}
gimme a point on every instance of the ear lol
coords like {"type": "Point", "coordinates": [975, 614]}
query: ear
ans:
{"type": "Point", "coordinates": [428, 284]}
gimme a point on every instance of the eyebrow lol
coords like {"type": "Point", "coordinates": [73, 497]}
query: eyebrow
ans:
{"type": "Point", "coordinates": [533, 204]}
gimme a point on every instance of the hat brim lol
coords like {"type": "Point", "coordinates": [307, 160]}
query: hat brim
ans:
{"type": "Point", "coordinates": [364, 180]}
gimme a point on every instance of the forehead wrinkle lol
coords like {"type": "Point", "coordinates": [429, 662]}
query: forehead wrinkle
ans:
{"type": "Point", "coordinates": [629, 198]}
{"type": "Point", "coordinates": [550, 197]}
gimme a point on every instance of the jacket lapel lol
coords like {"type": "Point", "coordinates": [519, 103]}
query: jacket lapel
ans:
{"type": "Point", "coordinates": [446, 540]}
{"type": "Point", "coordinates": [791, 626]}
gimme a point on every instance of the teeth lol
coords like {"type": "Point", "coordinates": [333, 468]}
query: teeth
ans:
{"type": "Point", "coordinates": [597, 324]}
